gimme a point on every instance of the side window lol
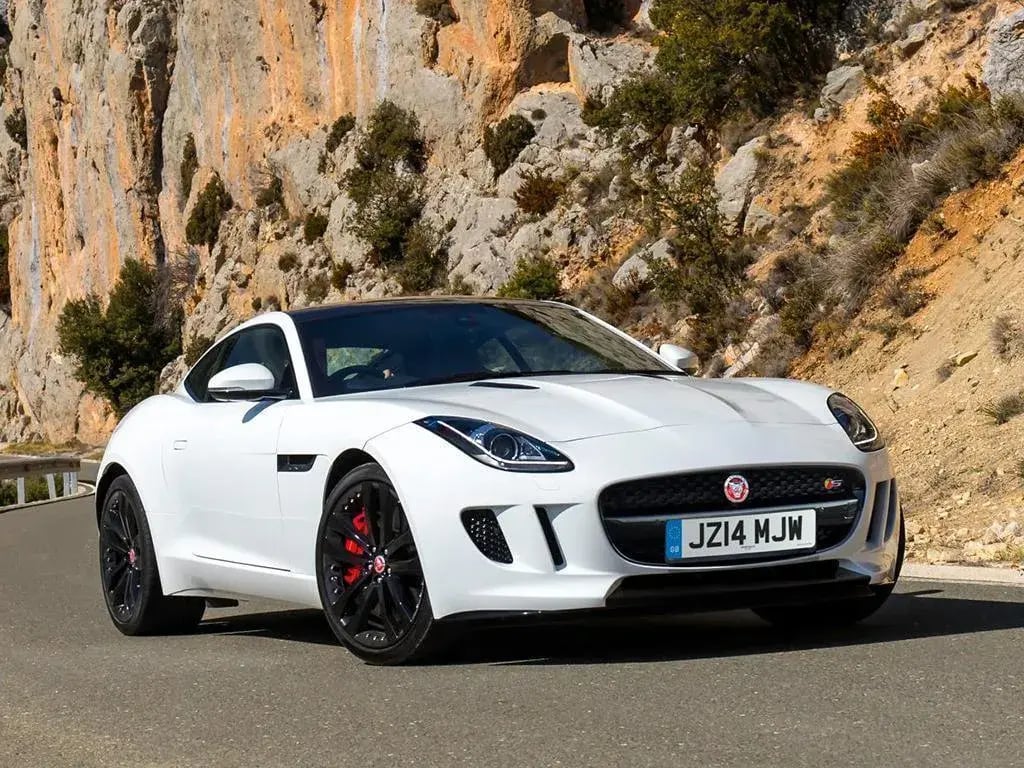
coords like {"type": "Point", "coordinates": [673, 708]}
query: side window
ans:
{"type": "Point", "coordinates": [264, 344]}
{"type": "Point", "coordinates": [199, 377]}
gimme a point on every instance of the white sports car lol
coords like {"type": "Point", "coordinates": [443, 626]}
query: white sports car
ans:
{"type": "Point", "coordinates": [409, 464]}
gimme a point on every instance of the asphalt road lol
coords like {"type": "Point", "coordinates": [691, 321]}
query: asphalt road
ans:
{"type": "Point", "coordinates": [936, 679]}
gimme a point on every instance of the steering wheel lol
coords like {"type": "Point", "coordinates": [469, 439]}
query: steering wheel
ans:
{"type": "Point", "coordinates": [343, 374]}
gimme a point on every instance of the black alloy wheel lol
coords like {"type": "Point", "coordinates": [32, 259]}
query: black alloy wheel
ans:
{"type": "Point", "coordinates": [120, 556]}
{"type": "Point", "coordinates": [128, 569]}
{"type": "Point", "coordinates": [368, 571]}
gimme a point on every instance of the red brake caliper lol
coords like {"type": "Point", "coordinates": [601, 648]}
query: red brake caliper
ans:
{"type": "Point", "coordinates": [360, 523]}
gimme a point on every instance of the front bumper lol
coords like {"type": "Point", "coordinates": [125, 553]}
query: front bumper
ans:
{"type": "Point", "coordinates": [437, 482]}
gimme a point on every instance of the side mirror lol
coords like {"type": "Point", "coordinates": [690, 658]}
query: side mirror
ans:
{"type": "Point", "coordinates": [249, 381]}
{"type": "Point", "coordinates": [681, 358]}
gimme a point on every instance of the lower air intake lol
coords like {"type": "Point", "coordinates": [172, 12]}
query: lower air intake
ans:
{"type": "Point", "coordinates": [482, 527]}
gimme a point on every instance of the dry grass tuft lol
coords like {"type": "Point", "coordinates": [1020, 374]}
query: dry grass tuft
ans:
{"type": "Point", "coordinates": [1004, 408]}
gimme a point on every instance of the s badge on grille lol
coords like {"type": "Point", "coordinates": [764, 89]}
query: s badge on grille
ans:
{"type": "Point", "coordinates": [736, 489]}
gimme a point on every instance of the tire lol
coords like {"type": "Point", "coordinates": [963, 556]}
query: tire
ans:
{"type": "Point", "coordinates": [128, 570]}
{"type": "Point", "coordinates": [839, 613]}
{"type": "Point", "coordinates": [368, 572]}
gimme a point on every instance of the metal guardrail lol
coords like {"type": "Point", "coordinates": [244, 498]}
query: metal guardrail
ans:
{"type": "Point", "coordinates": [18, 468]}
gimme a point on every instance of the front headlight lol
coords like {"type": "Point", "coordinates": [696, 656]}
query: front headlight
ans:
{"type": "Point", "coordinates": [497, 446]}
{"type": "Point", "coordinates": [855, 423]}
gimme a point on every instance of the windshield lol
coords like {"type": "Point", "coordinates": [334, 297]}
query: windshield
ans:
{"type": "Point", "coordinates": [362, 348]}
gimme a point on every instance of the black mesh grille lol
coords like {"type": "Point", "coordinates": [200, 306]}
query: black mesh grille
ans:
{"type": "Point", "coordinates": [482, 527]}
{"type": "Point", "coordinates": [704, 491]}
{"type": "Point", "coordinates": [634, 512]}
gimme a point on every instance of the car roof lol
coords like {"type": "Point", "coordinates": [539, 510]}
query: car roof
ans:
{"type": "Point", "coordinates": [329, 310]}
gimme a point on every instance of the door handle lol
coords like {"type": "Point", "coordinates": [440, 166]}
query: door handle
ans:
{"type": "Point", "coordinates": [180, 445]}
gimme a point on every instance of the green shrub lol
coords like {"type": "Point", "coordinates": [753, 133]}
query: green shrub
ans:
{"type": "Point", "coordinates": [17, 128]}
{"type": "Point", "coordinates": [340, 128]}
{"type": "Point", "coordinates": [287, 261]}
{"type": "Point", "coordinates": [392, 136]}
{"type": "Point", "coordinates": [189, 165]}
{"type": "Point", "coordinates": [195, 348]}
{"type": "Point", "coordinates": [534, 277]}
{"type": "Point", "coordinates": [119, 352]}
{"type": "Point", "coordinates": [317, 288]}
{"type": "Point", "coordinates": [204, 222]}
{"type": "Point", "coordinates": [504, 141]}
{"type": "Point", "coordinates": [458, 286]}
{"type": "Point", "coordinates": [314, 227]}
{"type": "Point", "coordinates": [645, 101]}
{"type": "Point", "coordinates": [721, 59]}
{"type": "Point", "coordinates": [386, 185]}
{"type": "Point", "coordinates": [272, 194]}
{"type": "Point", "coordinates": [424, 259]}
{"type": "Point", "coordinates": [5, 267]}
{"type": "Point", "coordinates": [340, 274]}
{"type": "Point", "coordinates": [538, 193]}
{"type": "Point", "coordinates": [707, 266]}
{"type": "Point", "coordinates": [440, 11]}
{"type": "Point", "coordinates": [36, 489]}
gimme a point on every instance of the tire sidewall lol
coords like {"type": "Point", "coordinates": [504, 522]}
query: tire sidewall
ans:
{"type": "Point", "coordinates": [151, 589]}
{"type": "Point", "coordinates": [414, 643]}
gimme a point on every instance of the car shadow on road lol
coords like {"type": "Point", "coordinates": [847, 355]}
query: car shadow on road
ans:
{"type": "Point", "coordinates": [907, 616]}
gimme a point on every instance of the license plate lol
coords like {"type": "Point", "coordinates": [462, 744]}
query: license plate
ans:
{"type": "Point", "coordinates": [739, 534]}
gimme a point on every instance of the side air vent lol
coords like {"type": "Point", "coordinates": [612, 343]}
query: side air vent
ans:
{"type": "Point", "coordinates": [482, 527]}
{"type": "Point", "coordinates": [557, 558]}
{"type": "Point", "coordinates": [879, 513]}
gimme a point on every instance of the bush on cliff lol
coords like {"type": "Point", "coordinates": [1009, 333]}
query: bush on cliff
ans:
{"type": "Point", "coordinates": [119, 352]}
{"type": "Point", "coordinates": [204, 222]}
{"type": "Point", "coordinates": [386, 184]}
{"type": "Point", "coordinates": [504, 141]}
{"type": "Point", "coordinates": [724, 59]}
{"type": "Point", "coordinates": [534, 277]}
{"type": "Point", "coordinates": [189, 166]}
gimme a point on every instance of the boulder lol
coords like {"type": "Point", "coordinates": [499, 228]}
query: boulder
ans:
{"type": "Point", "coordinates": [735, 182]}
{"type": "Point", "coordinates": [636, 269]}
{"type": "Point", "coordinates": [597, 66]}
{"type": "Point", "coordinates": [1003, 72]}
{"type": "Point", "coordinates": [759, 221]}
{"type": "Point", "coordinates": [633, 271]}
{"type": "Point", "coordinates": [842, 85]}
{"type": "Point", "coordinates": [914, 39]}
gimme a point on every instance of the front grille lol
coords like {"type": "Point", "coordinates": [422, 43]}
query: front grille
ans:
{"type": "Point", "coordinates": [482, 527]}
{"type": "Point", "coordinates": [634, 512]}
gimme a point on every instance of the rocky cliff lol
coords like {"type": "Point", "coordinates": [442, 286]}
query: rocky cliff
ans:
{"type": "Point", "coordinates": [112, 92]}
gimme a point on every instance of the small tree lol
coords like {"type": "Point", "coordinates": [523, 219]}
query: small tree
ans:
{"type": "Point", "coordinates": [120, 352]}
{"type": "Point", "coordinates": [504, 142]}
{"type": "Point", "coordinates": [534, 277]}
{"type": "Point", "coordinates": [314, 226]}
{"type": "Point", "coordinates": [189, 165]}
{"type": "Point", "coordinates": [204, 223]}
{"type": "Point", "coordinates": [340, 128]}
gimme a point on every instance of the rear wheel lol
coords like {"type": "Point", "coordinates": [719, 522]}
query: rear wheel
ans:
{"type": "Point", "coordinates": [128, 571]}
{"type": "Point", "coordinates": [368, 572]}
{"type": "Point", "coordinates": [839, 613]}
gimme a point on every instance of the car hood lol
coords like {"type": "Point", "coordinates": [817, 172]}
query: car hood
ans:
{"type": "Point", "coordinates": [566, 408]}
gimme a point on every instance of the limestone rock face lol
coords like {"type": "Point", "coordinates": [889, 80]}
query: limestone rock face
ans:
{"type": "Point", "coordinates": [1004, 69]}
{"type": "Point", "coordinates": [113, 92]}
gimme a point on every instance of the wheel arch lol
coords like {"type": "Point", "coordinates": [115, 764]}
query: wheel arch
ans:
{"type": "Point", "coordinates": [344, 463]}
{"type": "Point", "coordinates": [111, 472]}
